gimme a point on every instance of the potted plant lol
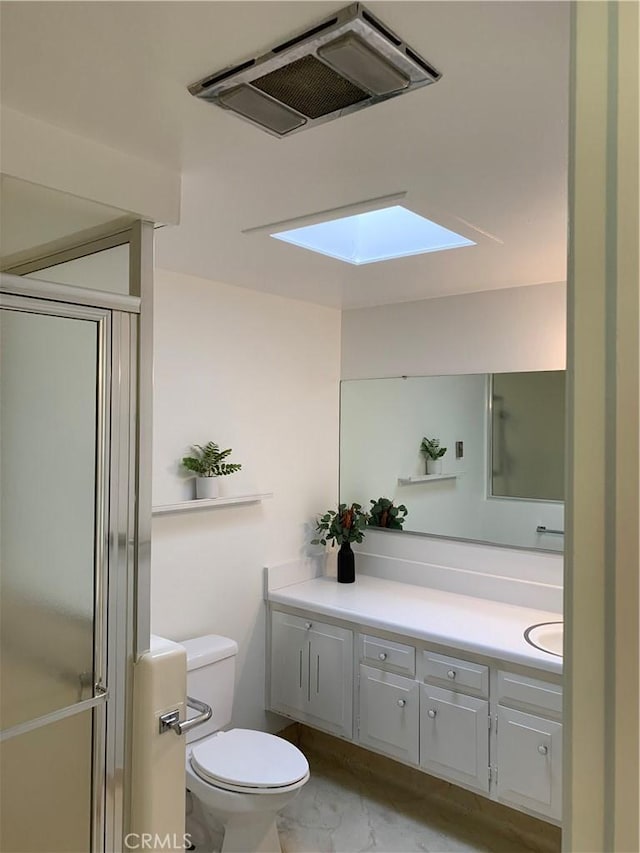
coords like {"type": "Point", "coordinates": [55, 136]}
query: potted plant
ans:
{"type": "Point", "coordinates": [385, 514]}
{"type": "Point", "coordinates": [208, 465]}
{"type": "Point", "coordinates": [434, 453]}
{"type": "Point", "coordinates": [342, 527]}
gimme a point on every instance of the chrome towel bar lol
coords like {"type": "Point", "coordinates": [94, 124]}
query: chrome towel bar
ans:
{"type": "Point", "coordinates": [542, 529]}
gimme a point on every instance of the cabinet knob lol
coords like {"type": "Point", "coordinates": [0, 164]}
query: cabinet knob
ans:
{"type": "Point", "coordinates": [431, 713]}
{"type": "Point", "coordinates": [451, 674]}
{"type": "Point", "coordinates": [542, 749]}
{"type": "Point", "coordinates": [308, 625]}
{"type": "Point", "coordinates": [402, 702]}
{"type": "Point", "coordinates": [382, 656]}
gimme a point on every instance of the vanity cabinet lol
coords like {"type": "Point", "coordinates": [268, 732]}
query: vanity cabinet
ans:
{"type": "Point", "coordinates": [454, 736]}
{"type": "Point", "coordinates": [491, 730]}
{"type": "Point", "coordinates": [312, 672]}
{"type": "Point", "coordinates": [388, 713]}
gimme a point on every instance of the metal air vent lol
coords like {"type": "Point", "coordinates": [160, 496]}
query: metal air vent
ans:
{"type": "Point", "coordinates": [346, 62]}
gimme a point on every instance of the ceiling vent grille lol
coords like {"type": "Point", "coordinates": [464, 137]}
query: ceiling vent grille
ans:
{"type": "Point", "coordinates": [347, 62]}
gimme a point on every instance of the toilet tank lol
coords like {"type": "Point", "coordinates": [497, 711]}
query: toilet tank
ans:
{"type": "Point", "coordinates": [211, 669]}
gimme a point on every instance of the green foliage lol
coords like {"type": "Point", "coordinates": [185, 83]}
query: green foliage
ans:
{"type": "Point", "coordinates": [208, 462]}
{"type": "Point", "coordinates": [385, 514]}
{"type": "Point", "coordinates": [347, 524]}
{"type": "Point", "coordinates": [431, 448]}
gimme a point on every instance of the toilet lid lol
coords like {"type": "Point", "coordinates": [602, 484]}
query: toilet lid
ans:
{"type": "Point", "coordinates": [248, 759]}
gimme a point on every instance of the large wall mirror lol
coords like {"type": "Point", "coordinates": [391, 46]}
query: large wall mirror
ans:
{"type": "Point", "coordinates": [501, 479]}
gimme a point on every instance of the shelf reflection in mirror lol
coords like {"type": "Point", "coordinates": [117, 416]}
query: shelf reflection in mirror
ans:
{"type": "Point", "coordinates": [503, 471]}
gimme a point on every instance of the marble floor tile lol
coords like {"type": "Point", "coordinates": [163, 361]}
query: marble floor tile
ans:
{"type": "Point", "coordinates": [344, 809]}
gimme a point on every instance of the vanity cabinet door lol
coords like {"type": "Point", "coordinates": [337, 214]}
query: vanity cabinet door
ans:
{"type": "Point", "coordinates": [529, 762]}
{"type": "Point", "coordinates": [389, 713]}
{"type": "Point", "coordinates": [289, 665]}
{"type": "Point", "coordinates": [331, 678]}
{"type": "Point", "coordinates": [312, 672]}
{"type": "Point", "coordinates": [454, 736]}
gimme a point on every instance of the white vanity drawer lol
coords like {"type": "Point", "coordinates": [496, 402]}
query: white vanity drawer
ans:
{"type": "Point", "coordinates": [456, 674]}
{"type": "Point", "coordinates": [386, 654]}
{"type": "Point", "coordinates": [531, 693]}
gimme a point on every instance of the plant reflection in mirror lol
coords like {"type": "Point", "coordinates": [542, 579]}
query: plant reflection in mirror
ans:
{"type": "Point", "coordinates": [385, 514]}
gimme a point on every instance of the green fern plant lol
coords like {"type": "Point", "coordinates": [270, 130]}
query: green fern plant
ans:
{"type": "Point", "coordinates": [385, 514]}
{"type": "Point", "coordinates": [209, 461]}
{"type": "Point", "coordinates": [431, 448]}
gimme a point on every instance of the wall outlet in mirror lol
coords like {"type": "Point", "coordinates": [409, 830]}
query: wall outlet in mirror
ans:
{"type": "Point", "coordinates": [459, 449]}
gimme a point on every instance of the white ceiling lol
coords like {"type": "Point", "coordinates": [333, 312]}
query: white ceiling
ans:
{"type": "Point", "coordinates": [487, 144]}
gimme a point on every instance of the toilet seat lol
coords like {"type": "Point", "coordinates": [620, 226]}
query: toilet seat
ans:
{"type": "Point", "coordinates": [248, 761]}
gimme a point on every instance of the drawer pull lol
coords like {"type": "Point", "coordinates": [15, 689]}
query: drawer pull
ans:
{"type": "Point", "coordinates": [451, 674]}
{"type": "Point", "coordinates": [542, 749]}
{"type": "Point", "coordinates": [308, 625]}
{"type": "Point", "coordinates": [382, 656]}
{"type": "Point", "coordinates": [402, 703]}
{"type": "Point", "coordinates": [431, 713]}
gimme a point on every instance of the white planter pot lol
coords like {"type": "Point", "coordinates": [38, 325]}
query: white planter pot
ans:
{"type": "Point", "coordinates": [207, 487]}
{"type": "Point", "coordinates": [434, 466]}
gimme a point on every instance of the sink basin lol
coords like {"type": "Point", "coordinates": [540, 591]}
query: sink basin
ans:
{"type": "Point", "coordinates": [546, 636]}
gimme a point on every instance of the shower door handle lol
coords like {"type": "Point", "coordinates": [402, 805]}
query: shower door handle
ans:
{"type": "Point", "coordinates": [170, 721]}
{"type": "Point", "coordinates": [99, 698]}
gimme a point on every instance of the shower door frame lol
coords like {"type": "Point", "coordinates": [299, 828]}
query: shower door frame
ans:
{"type": "Point", "coordinates": [115, 604]}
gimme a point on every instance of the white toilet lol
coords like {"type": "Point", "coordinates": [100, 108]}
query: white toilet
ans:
{"type": "Point", "coordinates": [244, 777]}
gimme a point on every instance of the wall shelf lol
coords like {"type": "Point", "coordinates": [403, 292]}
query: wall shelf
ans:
{"type": "Point", "coordinates": [210, 503]}
{"type": "Point", "coordinates": [425, 478]}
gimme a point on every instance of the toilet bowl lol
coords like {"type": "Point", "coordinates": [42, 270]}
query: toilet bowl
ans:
{"type": "Point", "coordinates": [243, 777]}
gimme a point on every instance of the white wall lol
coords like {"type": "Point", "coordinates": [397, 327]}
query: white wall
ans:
{"type": "Point", "coordinates": [520, 328]}
{"type": "Point", "coordinates": [258, 373]}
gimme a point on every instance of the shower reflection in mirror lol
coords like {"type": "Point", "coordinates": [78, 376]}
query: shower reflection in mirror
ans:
{"type": "Point", "coordinates": [526, 412]}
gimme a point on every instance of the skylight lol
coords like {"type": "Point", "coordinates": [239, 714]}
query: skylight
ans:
{"type": "Point", "coordinates": [378, 235]}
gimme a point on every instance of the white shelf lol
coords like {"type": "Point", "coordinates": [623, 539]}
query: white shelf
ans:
{"type": "Point", "coordinates": [210, 503]}
{"type": "Point", "coordinates": [425, 478]}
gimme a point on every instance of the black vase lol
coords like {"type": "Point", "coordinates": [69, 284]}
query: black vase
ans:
{"type": "Point", "coordinates": [346, 564]}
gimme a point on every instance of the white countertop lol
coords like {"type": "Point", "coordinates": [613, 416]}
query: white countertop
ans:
{"type": "Point", "coordinates": [476, 625]}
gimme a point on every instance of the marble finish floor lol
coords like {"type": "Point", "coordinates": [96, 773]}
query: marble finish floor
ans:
{"type": "Point", "coordinates": [346, 809]}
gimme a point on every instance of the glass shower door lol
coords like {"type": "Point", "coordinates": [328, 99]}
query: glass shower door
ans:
{"type": "Point", "coordinates": [54, 381]}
